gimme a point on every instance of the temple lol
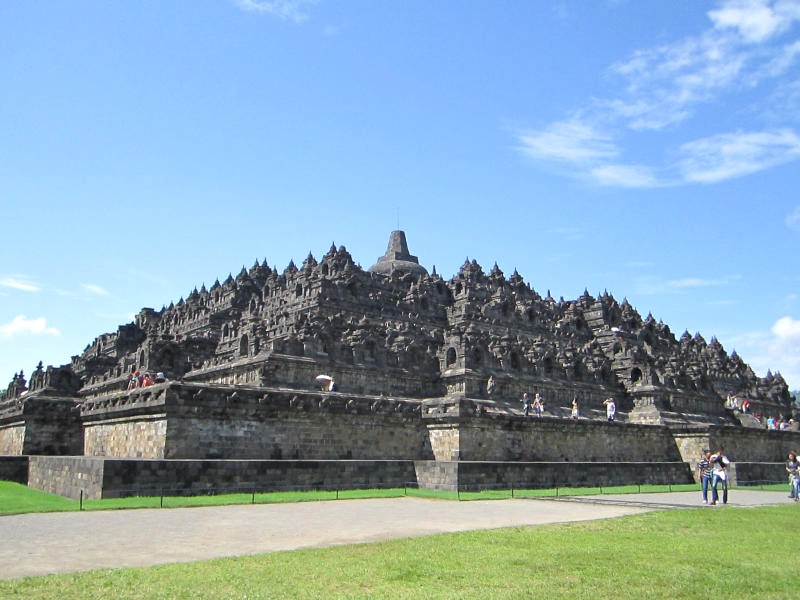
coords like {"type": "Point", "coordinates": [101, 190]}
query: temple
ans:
{"type": "Point", "coordinates": [428, 376]}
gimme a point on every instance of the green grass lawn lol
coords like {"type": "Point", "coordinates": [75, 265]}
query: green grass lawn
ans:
{"type": "Point", "coordinates": [732, 552]}
{"type": "Point", "coordinates": [16, 498]}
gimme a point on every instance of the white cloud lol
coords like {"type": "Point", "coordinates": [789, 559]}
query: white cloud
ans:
{"type": "Point", "coordinates": [570, 141]}
{"type": "Point", "coordinates": [784, 60]}
{"type": "Point", "coordinates": [740, 53]}
{"type": "Point", "coordinates": [663, 84]}
{"type": "Point", "coordinates": [653, 285]}
{"type": "Point", "coordinates": [288, 10]}
{"type": "Point", "coordinates": [777, 350]}
{"type": "Point", "coordinates": [633, 176]}
{"type": "Point", "coordinates": [21, 325]}
{"type": "Point", "coordinates": [95, 289]}
{"type": "Point", "coordinates": [755, 20]}
{"type": "Point", "coordinates": [730, 155]}
{"type": "Point", "coordinates": [793, 219]}
{"type": "Point", "coordinates": [19, 283]}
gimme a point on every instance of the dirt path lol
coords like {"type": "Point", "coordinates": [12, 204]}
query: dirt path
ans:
{"type": "Point", "coordinates": [40, 544]}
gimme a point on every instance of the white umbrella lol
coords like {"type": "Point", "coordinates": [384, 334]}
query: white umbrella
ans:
{"type": "Point", "coordinates": [323, 379]}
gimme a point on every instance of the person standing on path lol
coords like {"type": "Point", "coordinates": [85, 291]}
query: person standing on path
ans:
{"type": "Point", "coordinates": [793, 469]}
{"type": "Point", "coordinates": [719, 473]}
{"type": "Point", "coordinates": [704, 472]}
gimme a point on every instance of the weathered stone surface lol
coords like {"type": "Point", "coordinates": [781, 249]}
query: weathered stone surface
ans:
{"type": "Point", "coordinates": [40, 424]}
{"type": "Point", "coordinates": [97, 477]}
{"type": "Point", "coordinates": [400, 331]}
{"type": "Point", "coordinates": [189, 420]}
{"type": "Point", "coordinates": [426, 369]}
{"type": "Point", "coordinates": [14, 468]}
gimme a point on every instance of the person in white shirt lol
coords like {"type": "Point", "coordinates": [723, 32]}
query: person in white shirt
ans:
{"type": "Point", "coordinates": [611, 409]}
{"type": "Point", "coordinates": [719, 474]}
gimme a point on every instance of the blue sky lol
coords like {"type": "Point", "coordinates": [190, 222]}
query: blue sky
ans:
{"type": "Point", "coordinates": [650, 149]}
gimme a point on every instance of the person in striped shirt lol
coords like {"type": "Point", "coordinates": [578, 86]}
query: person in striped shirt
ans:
{"type": "Point", "coordinates": [704, 472]}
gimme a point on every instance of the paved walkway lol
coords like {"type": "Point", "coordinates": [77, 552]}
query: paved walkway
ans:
{"type": "Point", "coordinates": [40, 544]}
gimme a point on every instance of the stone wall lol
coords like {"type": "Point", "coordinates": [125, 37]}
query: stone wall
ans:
{"type": "Point", "coordinates": [40, 424]}
{"type": "Point", "coordinates": [114, 478]}
{"type": "Point", "coordinates": [755, 473]}
{"type": "Point", "coordinates": [132, 437]}
{"type": "Point", "coordinates": [201, 421]}
{"type": "Point", "coordinates": [464, 429]}
{"type": "Point", "coordinates": [12, 439]}
{"type": "Point", "coordinates": [753, 445]}
{"type": "Point", "coordinates": [14, 468]}
{"type": "Point", "coordinates": [295, 436]}
{"type": "Point", "coordinates": [514, 439]}
{"type": "Point", "coordinates": [444, 439]}
{"type": "Point", "coordinates": [67, 475]}
{"type": "Point", "coordinates": [476, 475]}
{"type": "Point", "coordinates": [298, 372]}
{"type": "Point", "coordinates": [742, 445]}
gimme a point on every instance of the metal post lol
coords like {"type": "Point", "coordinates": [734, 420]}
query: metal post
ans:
{"type": "Point", "coordinates": [162, 498]}
{"type": "Point", "coordinates": [81, 501]}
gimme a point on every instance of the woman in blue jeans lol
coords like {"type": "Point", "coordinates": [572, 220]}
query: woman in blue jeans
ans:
{"type": "Point", "coordinates": [719, 474]}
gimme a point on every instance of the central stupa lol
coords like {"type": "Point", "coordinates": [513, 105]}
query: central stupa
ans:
{"type": "Point", "coordinates": [397, 258]}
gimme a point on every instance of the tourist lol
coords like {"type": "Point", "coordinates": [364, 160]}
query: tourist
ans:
{"type": "Point", "coordinates": [719, 474]}
{"type": "Point", "coordinates": [745, 405]}
{"type": "Point", "coordinates": [160, 378]}
{"type": "Point", "coordinates": [575, 408]}
{"type": "Point", "coordinates": [771, 424]}
{"type": "Point", "coordinates": [147, 379]}
{"type": "Point", "coordinates": [131, 380]}
{"type": "Point", "coordinates": [794, 476]}
{"type": "Point", "coordinates": [526, 403]}
{"type": "Point", "coordinates": [332, 385]}
{"type": "Point", "coordinates": [134, 380]}
{"type": "Point", "coordinates": [704, 473]}
{"type": "Point", "coordinates": [611, 409]}
{"type": "Point", "coordinates": [490, 384]}
{"type": "Point", "coordinates": [538, 405]}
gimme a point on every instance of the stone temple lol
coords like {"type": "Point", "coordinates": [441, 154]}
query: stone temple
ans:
{"type": "Point", "coordinates": [429, 373]}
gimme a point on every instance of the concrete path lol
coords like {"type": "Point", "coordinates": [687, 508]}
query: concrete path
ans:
{"type": "Point", "coordinates": [40, 544]}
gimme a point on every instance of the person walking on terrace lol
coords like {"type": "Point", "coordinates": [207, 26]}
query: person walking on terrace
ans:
{"type": "Point", "coordinates": [576, 408]}
{"type": "Point", "coordinates": [611, 409]}
{"type": "Point", "coordinates": [538, 405]}
{"type": "Point", "coordinates": [526, 403]}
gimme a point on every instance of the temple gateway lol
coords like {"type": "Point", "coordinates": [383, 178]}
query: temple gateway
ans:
{"type": "Point", "coordinates": [230, 389]}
